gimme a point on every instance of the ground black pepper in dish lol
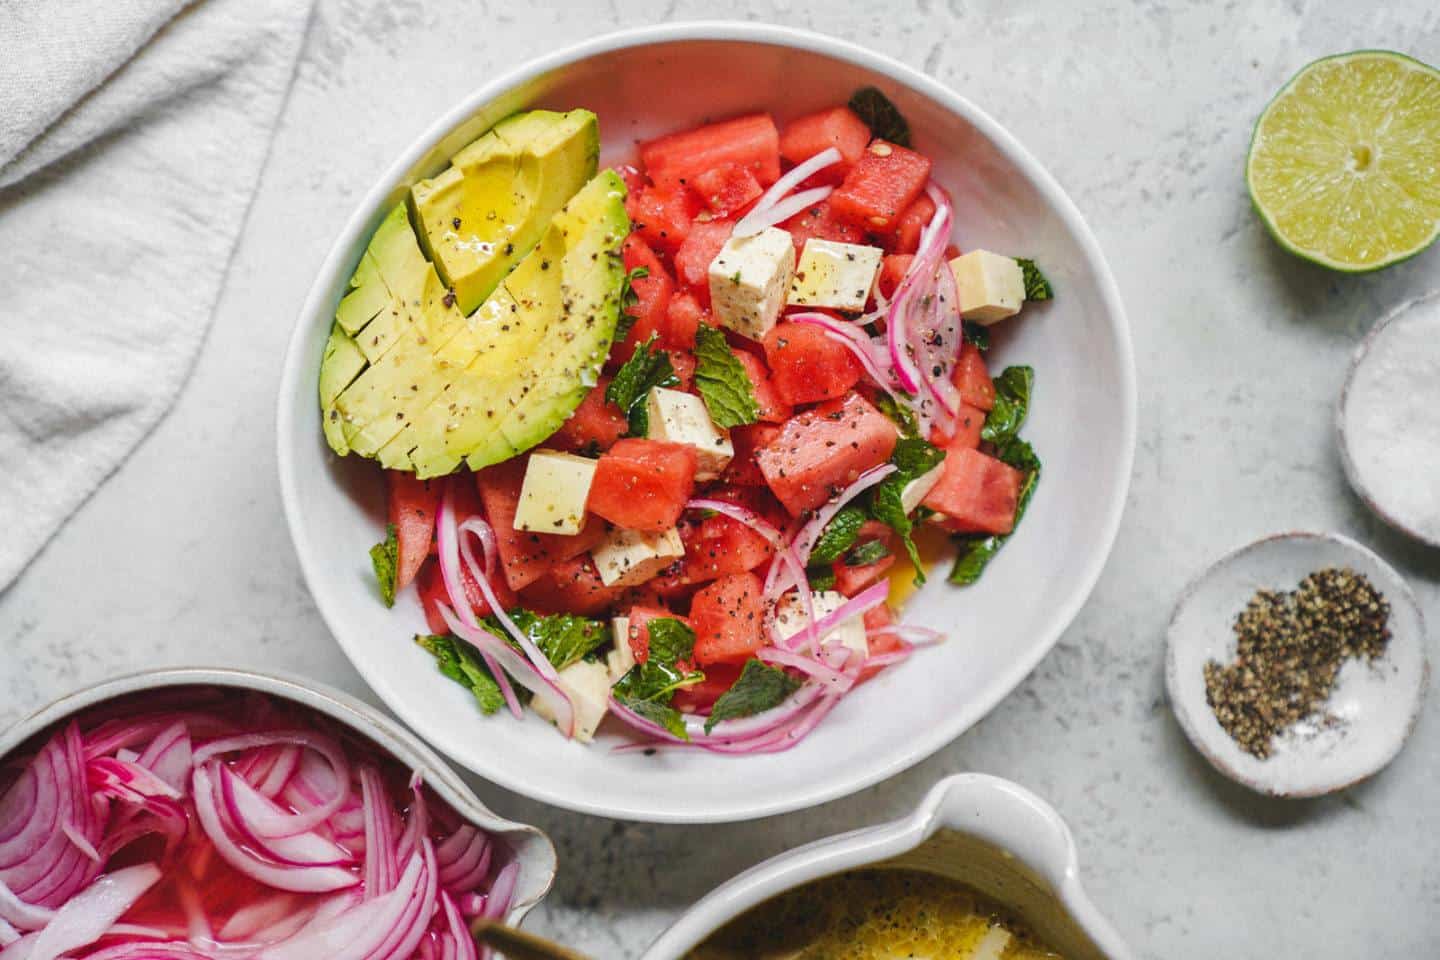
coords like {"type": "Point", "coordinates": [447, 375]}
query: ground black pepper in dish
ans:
{"type": "Point", "coordinates": [1290, 646]}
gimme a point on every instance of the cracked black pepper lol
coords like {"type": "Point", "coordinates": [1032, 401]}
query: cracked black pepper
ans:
{"type": "Point", "coordinates": [1290, 646]}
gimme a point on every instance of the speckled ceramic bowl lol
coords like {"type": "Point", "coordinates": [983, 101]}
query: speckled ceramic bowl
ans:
{"type": "Point", "coordinates": [1375, 704]}
{"type": "Point", "coordinates": [1082, 422]}
{"type": "Point", "coordinates": [532, 848]}
{"type": "Point", "coordinates": [990, 834]}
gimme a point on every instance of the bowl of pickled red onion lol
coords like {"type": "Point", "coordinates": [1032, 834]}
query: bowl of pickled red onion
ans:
{"type": "Point", "coordinates": [201, 813]}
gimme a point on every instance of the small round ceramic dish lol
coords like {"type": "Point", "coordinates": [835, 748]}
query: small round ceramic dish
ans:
{"type": "Point", "coordinates": [1373, 706]}
{"type": "Point", "coordinates": [1397, 365]}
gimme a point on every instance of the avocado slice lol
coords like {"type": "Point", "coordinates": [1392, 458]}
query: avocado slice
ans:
{"type": "Point", "coordinates": [480, 388]}
{"type": "Point", "coordinates": [491, 206]}
{"type": "Point", "coordinates": [551, 324]}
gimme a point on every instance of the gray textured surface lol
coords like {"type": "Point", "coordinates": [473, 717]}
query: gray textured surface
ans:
{"type": "Point", "coordinates": [1143, 111]}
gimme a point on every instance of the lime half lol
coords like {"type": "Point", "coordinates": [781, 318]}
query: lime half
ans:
{"type": "Point", "coordinates": [1344, 165]}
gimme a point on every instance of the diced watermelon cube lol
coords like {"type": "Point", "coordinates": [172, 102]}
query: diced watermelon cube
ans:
{"type": "Point", "coordinates": [837, 127]}
{"type": "Point", "coordinates": [412, 505]}
{"type": "Point", "coordinates": [972, 379]}
{"type": "Point", "coordinates": [773, 407]}
{"type": "Point", "coordinates": [728, 189]}
{"type": "Point", "coordinates": [643, 484]}
{"type": "Point", "coordinates": [976, 494]}
{"type": "Point", "coordinates": [966, 435]}
{"type": "Point", "coordinates": [571, 586]}
{"type": "Point", "coordinates": [821, 222]}
{"type": "Point", "coordinates": [682, 319]}
{"type": "Point", "coordinates": [594, 426]}
{"type": "Point", "coordinates": [807, 366]}
{"type": "Point", "coordinates": [851, 580]}
{"type": "Point", "coordinates": [747, 439]}
{"type": "Point", "coordinates": [886, 179]}
{"type": "Point", "coordinates": [653, 293]}
{"type": "Point", "coordinates": [683, 363]}
{"type": "Point", "coordinates": [729, 619]}
{"type": "Point", "coordinates": [662, 217]}
{"type": "Point", "coordinates": [719, 546]}
{"type": "Point", "coordinates": [525, 556]}
{"type": "Point", "coordinates": [430, 585]}
{"type": "Point", "coordinates": [822, 451]}
{"type": "Point", "coordinates": [751, 142]}
{"type": "Point", "coordinates": [701, 696]}
{"type": "Point", "coordinates": [893, 268]}
{"type": "Point", "coordinates": [692, 260]}
{"type": "Point", "coordinates": [905, 238]}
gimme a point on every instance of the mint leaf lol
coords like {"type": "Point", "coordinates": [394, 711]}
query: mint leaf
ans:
{"type": "Point", "coordinates": [913, 458]}
{"type": "Point", "coordinates": [880, 115]}
{"type": "Point", "coordinates": [871, 551]}
{"type": "Point", "coordinates": [1036, 286]}
{"type": "Point", "coordinates": [839, 534]}
{"type": "Point", "coordinates": [661, 713]}
{"type": "Point", "coordinates": [722, 381]}
{"type": "Point", "coordinates": [1012, 402]}
{"type": "Point", "coordinates": [670, 640]}
{"type": "Point", "coordinates": [459, 662]}
{"type": "Point", "coordinates": [978, 334]}
{"type": "Point", "coordinates": [384, 557]}
{"type": "Point", "coordinates": [758, 688]}
{"type": "Point", "coordinates": [648, 367]}
{"type": "Point", "coordinates": [901, 415]}
{"type": "Point", "coordinates": [562, 637]}
{"type": "Point", "coordinates": [821, 578]}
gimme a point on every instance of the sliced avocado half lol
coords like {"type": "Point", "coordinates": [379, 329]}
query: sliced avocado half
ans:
{"type": "Point", "coordinates": [447, 387]}
{"type": "Point", "coordinates": [478, 218]}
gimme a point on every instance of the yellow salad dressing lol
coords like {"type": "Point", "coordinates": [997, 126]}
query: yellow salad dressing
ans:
{"type": "Point", "coordinates": [874, 915]}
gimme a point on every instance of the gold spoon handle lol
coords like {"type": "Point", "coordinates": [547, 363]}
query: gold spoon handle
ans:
{"type": "Point", "coordinates": [516, 944]}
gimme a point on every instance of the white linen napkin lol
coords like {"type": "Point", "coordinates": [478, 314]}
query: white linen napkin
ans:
{"type": "Point", "coordinates": [132, 134]}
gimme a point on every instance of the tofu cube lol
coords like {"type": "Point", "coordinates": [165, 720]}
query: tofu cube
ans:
{"type": "Point", "coordinates": [679, 417]}
{"type": "Point", "coordinates": [916, 489]}
{"type": "Point", "coordinates": [627, 557]}
{"type": "Point", "coordinates": [835, 275]}
{"type": "Point", "coordinates": [553, 494]}
{"type": "Point", "coordinates": [791, 618]}
{"type": "Point", "coordinates": [991, 287]}
{"type": "Point", "coordinates": [749, 281]}
{"type": "Point", "coordinates": [619, 660]}
{"type": "Point", "coordinates": [588, 684]}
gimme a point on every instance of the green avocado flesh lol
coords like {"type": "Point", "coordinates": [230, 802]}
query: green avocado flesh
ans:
{"type": "Point", "coordinates": [478, 218]}
{"type": "Point", "coordinates": [412, 381]}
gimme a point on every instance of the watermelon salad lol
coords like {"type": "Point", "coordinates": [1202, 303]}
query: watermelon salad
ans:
{"type": "Point", "coordinates": [794, 407]}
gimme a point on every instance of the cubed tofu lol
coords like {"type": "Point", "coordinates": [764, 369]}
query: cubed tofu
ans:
{"type": "Point", "coordinates": [679, 417]}
{"type": "Point", "coordinates": [835, 275]}
{"type": "Point", "coordinates": [619, 660]}
{"type": "Point", "coordinates": [916, 489]}
{"type": "Point", "coordinates": [588, 684]}
{"type": "Point", "coordinates": [790, 619]}
{"type": "Point", "coordinates": [553, 494]}
{"type": "Point", "coordinates": [627, 557]}
{"type": "Point", "coordinates": [991, 286]}
{"type": "Point", "coordinates": [749, 281]}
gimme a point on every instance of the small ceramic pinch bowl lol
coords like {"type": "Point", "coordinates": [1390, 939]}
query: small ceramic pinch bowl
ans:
{"type": "Point", "coordinates": [1374, 454]}
{"type": "Point", "coordinates": [530, 847]}
{"type": "Point", "coordinates": [1375, 704]}
{"type": "Point", "coordinates": [992, 835]}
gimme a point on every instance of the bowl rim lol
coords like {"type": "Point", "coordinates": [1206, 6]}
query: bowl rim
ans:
{"type": "Point", "coordinates": [343, 707]}
{"type": "Point", "coordinates": [317, 309]}
{"type": "Point", "coordinates": [1029, 829]}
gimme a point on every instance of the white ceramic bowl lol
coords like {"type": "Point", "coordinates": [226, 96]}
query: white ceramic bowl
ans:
{"type": "Point", "coordinates": [1377, 704]}
{"type": "Point", "coordinates": [641, 83]}
{"type": "Point", "coordinates": [988, 833]}
{"type": "Point", "coordinates": [532, 848]}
